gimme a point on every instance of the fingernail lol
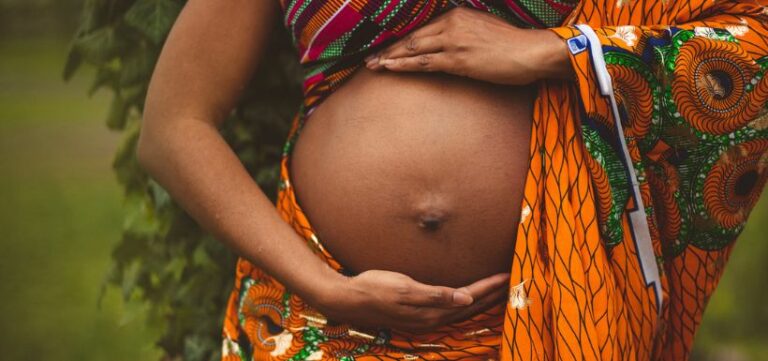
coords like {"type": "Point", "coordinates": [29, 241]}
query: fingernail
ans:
{"type": "Point", "coordinates": [386, 61]}
{"type": "Point", "coordinates": [461, 298]}
{"type": "Point", "coordinates": [371, 62]}
{"type": "Point", "coordinates": [371, 57]}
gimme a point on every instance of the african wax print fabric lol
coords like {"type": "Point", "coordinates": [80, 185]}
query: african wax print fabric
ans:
{"type": "Point", "coordinates": [626, 226]}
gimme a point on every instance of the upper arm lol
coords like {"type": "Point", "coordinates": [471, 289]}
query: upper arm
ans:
{"type": "Point", "coordinates": [209, 57]}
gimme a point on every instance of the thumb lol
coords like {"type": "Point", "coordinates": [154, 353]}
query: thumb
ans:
{"type": "Point", "coordinates": [462, 297]}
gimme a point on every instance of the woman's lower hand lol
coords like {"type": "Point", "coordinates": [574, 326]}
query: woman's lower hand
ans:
{"type": "Point", "coordinates": [385, 299]}
{"type": "Point", "coordinates": [478, 45]}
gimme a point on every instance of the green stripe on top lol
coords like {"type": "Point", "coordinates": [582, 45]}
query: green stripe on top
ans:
{"type": "Point", "coordinates": [542, 11]}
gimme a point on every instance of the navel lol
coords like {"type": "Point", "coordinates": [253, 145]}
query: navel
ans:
{"type": "Point", "coordinates": [431, 211]}
{"type": "Point", "coordinates": [430, 222]}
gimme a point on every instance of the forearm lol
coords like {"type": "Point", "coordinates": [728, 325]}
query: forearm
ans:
{"type": "Point", "coordinates": [191, 160]}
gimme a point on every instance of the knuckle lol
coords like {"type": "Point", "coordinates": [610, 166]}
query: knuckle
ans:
{"type": "Point", "coordinates": [401, 62]}
{"type": "Point", "coordinates": [459, 12]}
{"type": "Point", "coordinates": [451, 19]}
{"type": "Point", "coordinates": [424, 61]}
{"type": "Point", "coordinates": [436, 295]}
{"type": "Point", "coordinates": [410, 43]}
{"type": "Point", "coordinates": [402, 290]}
{"type": "Point", "coordinates": [460, 46]}
{"type": "Point", "coordinates": [460, 66]}
{"type": "Point", "coordinates": [400, 277]}
{"type": "Point", "coordinates": [461, 60]}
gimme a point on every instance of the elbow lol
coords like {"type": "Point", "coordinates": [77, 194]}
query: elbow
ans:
{"type": "Point", "coordinates": [163, 137]}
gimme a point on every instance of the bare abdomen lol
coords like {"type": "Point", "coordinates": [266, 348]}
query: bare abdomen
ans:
{"type": "Point", "coordinates": [416, 173]}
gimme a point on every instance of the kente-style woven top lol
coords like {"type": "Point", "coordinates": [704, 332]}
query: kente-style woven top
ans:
{"type": "Point", "coordinates": [333, 36]}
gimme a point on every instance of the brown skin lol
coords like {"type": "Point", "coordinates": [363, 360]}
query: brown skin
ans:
{"type": "Point", "coordinates": [186, 104]}
{"type": "Point", "coordinates": [418, 173]}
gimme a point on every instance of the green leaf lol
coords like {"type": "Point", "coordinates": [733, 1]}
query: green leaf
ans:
{"type": "Point", "coordinates": [138, 65]}
{"type": "Point", "coordinates": [153, 18]}
{"type": "Point", "coordinates": [74, 60]}
{"type": "Point", "coordinates": [175, 267]}
{"type": "Point", "coordinates": [118, 112]}
{"type": "Point", "coordinates": [104, 77]}
{"type": "Point", "coordinates": [95, 14]}
{"type": "Point", "coordinates": [160, 196]}
{"type": "Point", "coordinates": [130, 277]}
{"type": "Point", "coordinates": [129, 174]}
{"type": "Point", "coordinates": [140, 220]}
{"type": "Point", "coordinates": [200, 257]}
{"type": "Point", "coordinates": [100, 46]}
{"type": "Point", "coordinates": [134, 95]}
{"type": "Point", "coordinates": [131, 310]}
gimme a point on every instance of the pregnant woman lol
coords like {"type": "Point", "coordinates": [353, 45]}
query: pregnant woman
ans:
{"type": "Point", "coordinates": [472, 179]}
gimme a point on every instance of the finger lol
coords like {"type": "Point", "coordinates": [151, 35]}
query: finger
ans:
{"type": "Point", "coordinates": [480, 305]}
{"type": "Point", "coordinates": [423, 62]}
{"type": "Point", "coordinates": [439, 296]}
{"type": "Point", "coordinates": [488, 284]}
{"type": "Point", "coordinates": [412, 47]}
{"type": "Point", "coordinates": [423, 295]}
{"type": "Point", "coordinates": [415, 46]}
{"type": "Point", "coordinates": [431, 29]}
{"type": "Point", "coordinates": [427, 319]}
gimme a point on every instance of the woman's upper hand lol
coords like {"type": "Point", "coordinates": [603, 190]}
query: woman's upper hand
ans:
{"type": "Point", "coordinates": [378, 298]}
{"type": "Point", "coordinates": [478, 45]}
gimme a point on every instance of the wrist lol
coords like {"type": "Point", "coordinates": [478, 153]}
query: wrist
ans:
{"type": "Point", "coordinates": [553, 57]}
{"type": "Point", "coordinates": [324, 289]}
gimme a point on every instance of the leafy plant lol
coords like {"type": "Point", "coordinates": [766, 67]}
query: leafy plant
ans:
{"type": "Point", "coordinates": [163, 257]}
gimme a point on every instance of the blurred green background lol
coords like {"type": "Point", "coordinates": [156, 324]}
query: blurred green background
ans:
{"type": "Point", "coordinates": [61, 212]}
{"type": "Point", "coordinates": [60, 206]}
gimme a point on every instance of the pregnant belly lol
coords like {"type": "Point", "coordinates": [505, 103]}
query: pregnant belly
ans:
{"type": "Point", "coordinates": [416, 173]}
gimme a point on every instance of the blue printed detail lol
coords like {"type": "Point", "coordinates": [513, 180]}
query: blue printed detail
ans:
{"type": "Point", "coordinates": [577, 44]}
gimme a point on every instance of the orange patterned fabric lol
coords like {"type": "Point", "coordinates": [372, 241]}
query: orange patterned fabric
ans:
{"type": "Point", "coordinates": [692, 95]}
{"type": "Point", "coordinates": [266, 321]}
{"type": "Point", "coordinates": [689, 81]}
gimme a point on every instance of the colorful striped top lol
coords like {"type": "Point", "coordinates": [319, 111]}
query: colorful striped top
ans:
{"type": "Point", "coordinates": [333, 36]}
